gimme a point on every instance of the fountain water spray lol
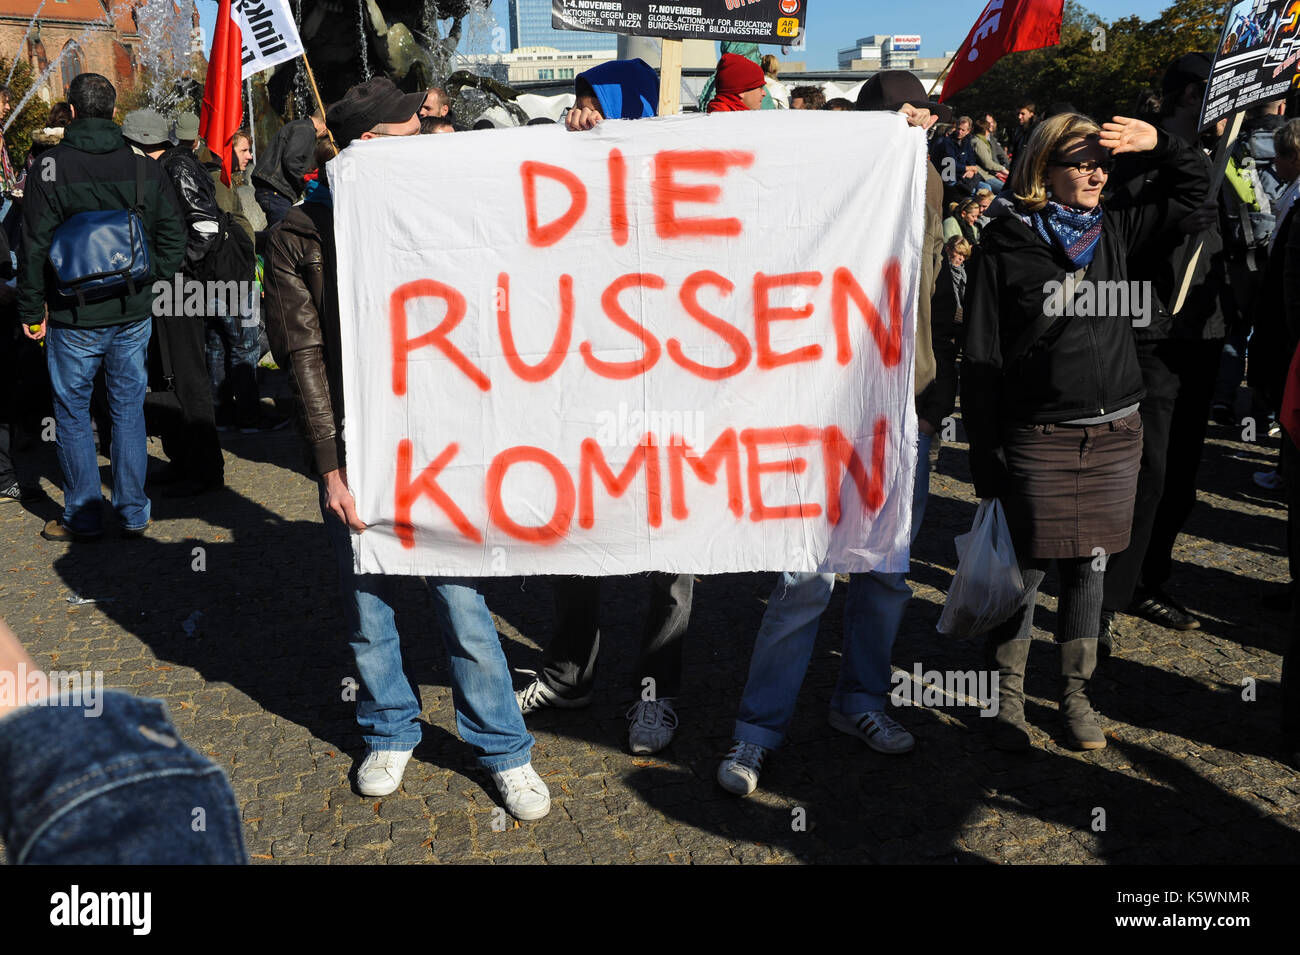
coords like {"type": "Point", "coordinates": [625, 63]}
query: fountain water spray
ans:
{"type": "Point", "coordinates": [158, 23]}
{"type": "Point", "coordinates": [23, 45]}
{"type": "Point", "coordinates": [364, 45]}
{"type": "Point", "coordinates": [165, 32]}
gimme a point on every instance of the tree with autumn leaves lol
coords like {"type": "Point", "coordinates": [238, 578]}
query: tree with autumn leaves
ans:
{"type": "Point", "coordinates": [1101, 68]}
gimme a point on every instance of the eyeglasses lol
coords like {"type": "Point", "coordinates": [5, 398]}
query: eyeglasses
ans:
{"type": "Point", "coordinates": [1087, 167]}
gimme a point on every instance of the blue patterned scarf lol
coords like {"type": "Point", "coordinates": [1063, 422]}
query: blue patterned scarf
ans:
{"type": "Point", "coordinates": [1075, 231]}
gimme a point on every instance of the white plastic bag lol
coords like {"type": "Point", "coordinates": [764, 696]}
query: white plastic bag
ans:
{"type": "Point", "coordinates": [988, 586]}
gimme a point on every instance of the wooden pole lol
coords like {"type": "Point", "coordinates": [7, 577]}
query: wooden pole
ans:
{"type": "Point", "coordinates": [252, 120]}
{"type": "Point", "coordinates": [670, 78]}
{"type": "Point", "coordinates": [1221, 157]}
{"type": "Point", "coordinates": [940, 78]}
{"type": "Point", "coordinates": [320, 103]}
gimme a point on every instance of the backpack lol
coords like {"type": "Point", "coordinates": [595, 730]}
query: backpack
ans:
{"type": "Point", "coordinates": [230, 256]}
{"type": "Point", "coordinates": [103, 254]}
{"type": "Point", "coordinates": [1255, 191]}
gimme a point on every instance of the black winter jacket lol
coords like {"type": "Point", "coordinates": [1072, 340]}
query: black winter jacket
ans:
{"type": "Point", "coordinates": [1082, 366]}
{"type": "Point", "coordinates": [93, 169]}
{"type": "Point", "coordinates": [289, 156]}
{"type": "Point", "coordinates": [198, 201]}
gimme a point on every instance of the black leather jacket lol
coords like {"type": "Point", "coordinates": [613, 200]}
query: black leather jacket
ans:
{"type": "Point", "coordinates": [197, 197]}
{"type": "Point", "coordinates": [302, 325]}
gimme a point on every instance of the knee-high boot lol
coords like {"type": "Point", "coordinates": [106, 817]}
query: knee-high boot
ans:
{"type": "Point", "coordinates": [1078, 661]}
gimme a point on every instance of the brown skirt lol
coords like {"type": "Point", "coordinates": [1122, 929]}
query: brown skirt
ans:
{"type": "Point", "coordinates": [1072, 487]}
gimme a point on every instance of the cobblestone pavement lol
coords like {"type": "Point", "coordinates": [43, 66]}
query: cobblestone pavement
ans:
{"type": "Point", "coordinates": [249, 655]}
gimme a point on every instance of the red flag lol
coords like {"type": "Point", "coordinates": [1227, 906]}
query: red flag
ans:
{"type": "Point", "coordinates": [223, 104]}
{"type": "Point", "coordinates": [1005, 26]}
{"type": "Point", "coordinates": [1289, 414]}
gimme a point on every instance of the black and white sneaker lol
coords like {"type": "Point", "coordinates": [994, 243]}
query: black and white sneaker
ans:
{"type": "Point", "coordinates": [1158, 607]}
{"type": "Point", "coordinates": [12, 494]}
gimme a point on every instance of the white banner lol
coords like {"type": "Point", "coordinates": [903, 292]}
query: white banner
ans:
{"type": "Point", "coordinates": [680, 344]}
{"type": "Point", "coordinates": [269, 32]}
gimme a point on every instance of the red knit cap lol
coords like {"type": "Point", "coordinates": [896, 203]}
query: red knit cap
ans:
{"type": "Point", "coordinates": [738, 75]}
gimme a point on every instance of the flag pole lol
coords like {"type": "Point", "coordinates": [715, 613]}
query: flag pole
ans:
{"type": "Point", "coordinates": [320, 103]}
{"type": "Point", "coordinates": [943, 74]}
{"type": "Point", "coordinates": [252, 120]}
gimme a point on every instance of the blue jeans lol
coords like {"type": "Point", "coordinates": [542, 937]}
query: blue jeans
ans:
{"type": "Point", "coordinates": [121, 788]}
{"type": "Point", "coordinates": [388, 709]}
{"type": "Point", "coordinates": [273, 204]}
{"type": "Point", "coordinates": [233, 350]}
{"type": "Point", "coordinates": [74, 356]}
{"type": "Point", "coordinates": [873, 614]}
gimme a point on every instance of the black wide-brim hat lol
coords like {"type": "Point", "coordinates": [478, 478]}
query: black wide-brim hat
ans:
{"type": "Point", "coordinates": [890, 89]}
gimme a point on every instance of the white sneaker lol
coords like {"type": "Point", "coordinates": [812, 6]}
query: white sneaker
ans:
{"type": "Point", "coordinates": [876, 728]}
{"type": "Point", "coordinates": [653, 724]}
{"type": "Point", "coordinates": [738, 773]}
{"type": "Point", "coordinates": [537, 695]}
{"type": "Point", "coordinates": [524, 792]}
{"type": "Point", "coordinates": [380, 773]}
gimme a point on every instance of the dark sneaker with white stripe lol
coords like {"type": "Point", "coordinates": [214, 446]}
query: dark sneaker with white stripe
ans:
{"type": "Point", "coordinates": [875, 728]}
{"type": "Point", "coordinates": [738, 772]}
{"type": "Point", "coordinates": [12, 494]}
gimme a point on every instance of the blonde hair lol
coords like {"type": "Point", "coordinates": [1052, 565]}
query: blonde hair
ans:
{"type": "Point", "coordinates": [1029, 183]}
{"type": "Point", "coordinates": [771, 65]}
{"type": "Point", "coordinates": [956, 209]}
{"type": "Point", "coordinates": [957, 244]}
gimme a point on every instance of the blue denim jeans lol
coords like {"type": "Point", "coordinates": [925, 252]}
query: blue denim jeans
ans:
{"type": "Point", "coordinates": [120, 788]}
{"type": "Point", "coordinates": [233, 350]}
{"type": "Point", "coordinates": [873, 614]}
{"type": "Point", "coordinates": [74, 356]}
{"type": "Point", "coordinates": [388, 709]}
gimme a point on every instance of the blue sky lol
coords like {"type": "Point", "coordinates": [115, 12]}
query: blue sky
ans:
{"type": "Point", "coordinates": [833, 24]}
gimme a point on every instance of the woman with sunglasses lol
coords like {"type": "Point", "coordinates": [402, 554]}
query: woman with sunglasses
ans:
{"type": "Point", "coordinates": [1050, 388]}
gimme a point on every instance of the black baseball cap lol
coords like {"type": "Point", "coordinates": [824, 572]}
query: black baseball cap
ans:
{"type": "Point", "coordinates": [368, 104]}
{"type": "Point", "coordinates": [890, 89]}
{"type": "Point", "coordinates": [1188, 68]}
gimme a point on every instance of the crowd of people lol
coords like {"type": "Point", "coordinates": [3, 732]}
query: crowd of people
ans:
{"type": "Point", "coordinates": [1087, 425]}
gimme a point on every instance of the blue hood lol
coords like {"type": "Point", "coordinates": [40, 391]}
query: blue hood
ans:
{"type": "Point", "coordinates": [626, 89]}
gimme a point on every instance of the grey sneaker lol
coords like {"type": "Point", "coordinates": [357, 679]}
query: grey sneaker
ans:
{"type": "Point", "coordinates": [738, 773]}
{"type": "Point", "coordinates": [653, 723]}
{"type": "Point", "coordinates": [12, 494]}
{"type": "Point", "coordinates": [537, 695]}
{"type": "Point", "coordinates": [876, 728]}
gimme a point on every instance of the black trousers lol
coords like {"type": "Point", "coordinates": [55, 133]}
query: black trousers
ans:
{"type": "Point", "coordinates": [184, 417]}
{"type": "Point", "coordinates": [1179, 377]}
{"type": "Point", "coordinates": [569, 664]}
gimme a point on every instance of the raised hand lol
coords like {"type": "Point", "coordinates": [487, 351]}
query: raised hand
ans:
{"type": "Point", "coordinates": [1125, 135]}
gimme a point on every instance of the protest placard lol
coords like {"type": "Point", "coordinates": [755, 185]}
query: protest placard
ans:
{"type": "Point", "coordinates": [1256, 60]}
{"type": "Point", "coordinates": [679, 344]}
{"type": "Point", "coordinates": [751, 21]}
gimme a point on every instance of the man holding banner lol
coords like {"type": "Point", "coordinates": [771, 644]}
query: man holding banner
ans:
{"type": "Point", "coordinates": [303, 314]}
{"type": "Point", "coordinates": [876, 601]}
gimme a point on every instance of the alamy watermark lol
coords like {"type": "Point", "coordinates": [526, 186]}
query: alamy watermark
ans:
{"type": "Point", "coordinates": [626, 427]}
{"type": "Point", "coordinates": [24, 687]}
{"type": "Point", "coordinates": [191, 298]}
{"type": "Point", "coordinates": [1086, 298]}
{"type": "Point", "coordinates": [946, 687]}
